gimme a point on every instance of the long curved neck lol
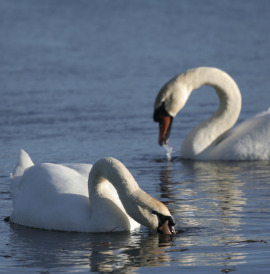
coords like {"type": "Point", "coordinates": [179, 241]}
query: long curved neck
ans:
{"type": "Point", "coordinates": [223, 119]}
{"type": "Point", "coordinates": [136, 202]}
{"type": "Point", "coordinates": [111, 170]}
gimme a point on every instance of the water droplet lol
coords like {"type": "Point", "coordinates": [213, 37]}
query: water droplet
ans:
{"type": "Point", "coordinates": [169, 151]}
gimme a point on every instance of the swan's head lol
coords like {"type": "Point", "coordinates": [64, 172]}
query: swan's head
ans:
{"type": "Point", "coordinates": [138, 204]}
{"type": "Point", "coordinates": [170, 100]}
{"type": "Point", "coordinates": [154, 215]}
{"type": "Point", "coordinates": [164, 120]}
{"type": "Point", "coordinates": [165, 223]}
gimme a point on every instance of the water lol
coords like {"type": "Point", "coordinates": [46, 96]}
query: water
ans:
{"type": "Point", "coordinates": [78, 82]}
{"type": "Point", "coordinates": [169, 151]}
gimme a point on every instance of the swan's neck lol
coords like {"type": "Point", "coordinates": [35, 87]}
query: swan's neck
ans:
{"type": "Point", "coordinates": [223, 119]}
{"type": "Point", "coordinates": [135, 201]}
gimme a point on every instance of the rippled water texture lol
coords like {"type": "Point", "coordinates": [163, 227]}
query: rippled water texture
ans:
{"type": "Point", "coordinates": [78, 83]}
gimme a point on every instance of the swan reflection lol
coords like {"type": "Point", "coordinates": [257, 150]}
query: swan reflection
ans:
{"type": "Point", "coordinates": [209, 203]}
{"type": "Point", "coordinates": [136, 252]}
{"type": "Point", "coordinates": [212, 191]}
{"type": "Point", "coordinates": [102, 252]}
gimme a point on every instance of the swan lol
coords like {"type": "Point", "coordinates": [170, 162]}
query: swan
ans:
{"type": "Point", "coordinates": [213, 139]}
{"type": "Point", "coordinates": [68, 198]}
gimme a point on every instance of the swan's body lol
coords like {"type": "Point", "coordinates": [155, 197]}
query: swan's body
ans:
{"type": "Point", "coordinates": [62, 197]}
{"type": "Point", "coordinates": [212, 139]}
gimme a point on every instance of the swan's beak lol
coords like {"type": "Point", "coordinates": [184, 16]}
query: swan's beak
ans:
{"type": "Point", "coordinates": [166, 228]}
{"type": "Point", "coordinates": [165, 123]}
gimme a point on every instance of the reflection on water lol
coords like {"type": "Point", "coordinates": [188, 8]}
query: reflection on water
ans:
{"type": "Point", "coordinates": [41, 250]}
{"type": "Point", "coordinates": [210, 207]}
{"type": "Point", "coordinates": [104, 252]}
{"type": "Point", "coordinates": [137, 252]}
{"type": "Point", "coordinates": [215, 190]}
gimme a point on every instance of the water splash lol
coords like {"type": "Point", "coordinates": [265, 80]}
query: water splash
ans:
{"type": "Point", "coordinates": [169, 151]}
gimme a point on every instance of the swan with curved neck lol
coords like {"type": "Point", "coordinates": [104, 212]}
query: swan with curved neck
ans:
{"type": "Point", "coordinates": [210, 140]}
{"type": "Point", "coordinates": [65, 198]}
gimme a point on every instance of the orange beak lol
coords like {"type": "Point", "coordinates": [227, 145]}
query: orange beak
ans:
{"type": "Point", "coordinates": [165, 123]}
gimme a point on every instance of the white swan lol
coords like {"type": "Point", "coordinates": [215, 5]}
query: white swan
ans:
{"type": "Point", "coordinates": [55, 197]}
{"type": "Point", "coordinates": [212, 139]}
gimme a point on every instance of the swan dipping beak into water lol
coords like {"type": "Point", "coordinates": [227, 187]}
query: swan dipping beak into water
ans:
{"type": "Point", "coordinates": [69, 198]}
{"type": "Point", "coordinates": [213, 139]}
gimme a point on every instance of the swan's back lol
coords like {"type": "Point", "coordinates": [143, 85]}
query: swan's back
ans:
{"type": "Point", "coordinates": [52, 196]}
{"type": "Point", "coordinates": [248, 141]}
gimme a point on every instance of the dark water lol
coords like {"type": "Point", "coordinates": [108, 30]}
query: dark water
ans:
{"type": "Point", "coordinates": [77, 83]}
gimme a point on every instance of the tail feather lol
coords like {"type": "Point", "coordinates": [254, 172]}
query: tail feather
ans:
{"type": "Point", "coordinates": [23, 163]}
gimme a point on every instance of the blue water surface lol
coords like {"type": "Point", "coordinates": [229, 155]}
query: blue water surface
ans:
{"type": "Point", "coordinates": [78, 81]}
